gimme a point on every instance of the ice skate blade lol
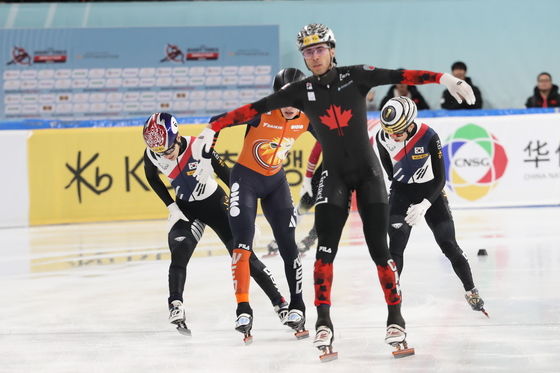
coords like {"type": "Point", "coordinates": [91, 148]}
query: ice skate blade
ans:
{"type": "Point", "coordinates": [328, 355]}
{"type": "Point", "coordinates": [248, 340]}
{"type": "Point", "coordinates": [485, 313]}
{"type": "Point", "coordinates": [403, 353]}
{"type": "Point", "coordinates": [302, 334]}
{"type": "Point", "coordinates": [270, 255]}
{"type": "Point", "coordinates": [183, 330]}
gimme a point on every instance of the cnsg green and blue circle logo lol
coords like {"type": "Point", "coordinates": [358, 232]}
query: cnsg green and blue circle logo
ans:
{"type": "Point", "coordinates": [474, 160]}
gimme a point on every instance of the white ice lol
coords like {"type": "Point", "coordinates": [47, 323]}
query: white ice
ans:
{"type": "Point", "coordinates": [93, 298]}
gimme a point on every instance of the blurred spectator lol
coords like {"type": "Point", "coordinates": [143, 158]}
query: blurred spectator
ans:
{"type": "Point", "coordinates": [545, 93]}
{"type": "Point", "coordinates": [459, 70]}
{"type": "Point", "coordinates": [409, 91]}
{"type": "Point", "coordinates": [370, 105]}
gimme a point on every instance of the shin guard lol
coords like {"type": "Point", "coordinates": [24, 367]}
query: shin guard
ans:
{"type": "Point", "coordinates": [241, 274]}
{"type": "Point", "coordinates": [323, 277]}
{"type": "Point", "coordinates": [389, 280]}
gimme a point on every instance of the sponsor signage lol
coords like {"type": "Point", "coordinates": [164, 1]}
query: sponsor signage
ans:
{"type": "Point", "coordinates": [78, 74]}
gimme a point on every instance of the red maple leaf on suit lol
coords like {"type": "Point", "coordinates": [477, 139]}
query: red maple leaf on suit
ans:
{"type": "Point", "coordinates": [336, 118]}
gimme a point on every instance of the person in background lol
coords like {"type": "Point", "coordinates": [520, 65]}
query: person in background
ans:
{"type": "Point", "coordinates": [409, 91]}
{"type": "Point", "coordinates": [459, 71]}
{"type": "Point", "coordinates": [308, 192]}
{"type": "Point", "coordinates": [370, 97]}
{"type": "Point", "coordinates": [545, 93]}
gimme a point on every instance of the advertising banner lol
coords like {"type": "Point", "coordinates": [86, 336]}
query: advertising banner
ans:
{"type": "Point", "coordinates": [494, 161]}
{"type": "Point", "coordinates": [132, 72]}
{"type": "Point", "coordinates": [97, 174]}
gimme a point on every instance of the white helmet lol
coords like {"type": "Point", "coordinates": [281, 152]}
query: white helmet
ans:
{"type": "Point", "coordinates": [397, 114]}
{"type": "Point", "coordinates": [315, 33]}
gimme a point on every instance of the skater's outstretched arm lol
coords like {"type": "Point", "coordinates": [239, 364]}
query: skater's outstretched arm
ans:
{"type": "Point", "coordinates": [371, 76]}
{"type": "Point", "coordinates": [288, 96]}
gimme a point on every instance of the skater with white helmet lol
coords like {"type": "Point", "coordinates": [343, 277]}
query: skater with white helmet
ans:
{"type": "Point", "coordinates": [411, 155]}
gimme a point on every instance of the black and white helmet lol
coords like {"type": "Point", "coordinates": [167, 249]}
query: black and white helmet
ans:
{"type": "Point", "coordinates": [315, 33]}
{"type": "Point", "coordinates": [397, 114]}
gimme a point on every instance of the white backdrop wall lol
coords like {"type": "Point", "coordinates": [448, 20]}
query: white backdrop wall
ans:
{"type": "Point", "coordinates": [505, 43]}
{"type": "Point", "coordinates": [14, 191]}
{"type": "Point", "coordinates": [495, 161]}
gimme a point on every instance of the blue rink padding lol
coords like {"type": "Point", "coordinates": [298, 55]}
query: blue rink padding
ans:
{"type": "Point", "coordinates": [33, 124]}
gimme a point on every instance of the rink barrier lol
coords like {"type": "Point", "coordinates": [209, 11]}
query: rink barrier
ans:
{"type": "Point", "coordinates": [91, 174]}
{"type": "Point", "coordinates": [97, 174]}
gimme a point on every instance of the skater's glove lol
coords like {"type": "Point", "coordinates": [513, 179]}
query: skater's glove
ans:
{"type": "Point", "coordinates": [458, 88]}
{"type": "Point", "coordinates": [415, 213]}
{"type": "Point", "coordinates": [203, 170]}
{"type": "Point", "coordinates": [175, 214]}
{"type": "Point", "coordinates": [202, 145]}
{"type": "Point", "coordinates": [306, 187]}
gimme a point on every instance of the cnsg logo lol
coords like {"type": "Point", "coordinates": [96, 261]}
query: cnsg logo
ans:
{"type": "Point", "coordinates": [474, 160]}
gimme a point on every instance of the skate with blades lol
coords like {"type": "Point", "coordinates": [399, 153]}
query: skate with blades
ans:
{"type": "Point", "coordinates": [295, 319]}
{"type": "Point", "coordinates": [272, 248]}
{"type": "Point", "coordinates": [244, 324]}
{"type": "Point", "coordinates": [475, 301]}
{"type": "Point", "coordinates": [323, 341]}
{"type": "Point", "coordinates": [396, 337]}
{"type": "Point", "coordinates": [177, 317]}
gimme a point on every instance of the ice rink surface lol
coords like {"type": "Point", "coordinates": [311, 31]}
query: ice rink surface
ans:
{"type": "Point", "coordinates": [93, 298]}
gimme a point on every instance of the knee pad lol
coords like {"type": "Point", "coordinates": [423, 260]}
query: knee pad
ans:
{"type": "Point", "coordinates": [398, 225]}
{"type": "Point", "coordinates": [185, 234]}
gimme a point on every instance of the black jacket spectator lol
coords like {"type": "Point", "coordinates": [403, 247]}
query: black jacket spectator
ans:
{"type": "Point", "coordinates": [536, 100]}
{"type": "Point", "coordinates": [449, 103]}
{"type": "Point", "coordinates": [415, 96]}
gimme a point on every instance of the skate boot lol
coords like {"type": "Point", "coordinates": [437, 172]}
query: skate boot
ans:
{"type": "Point", "coordinates": [272, 248]}
{"type": "Point", "coordinates": [244, 324]}
{"type": "Point", "coordinates": [177, 317]}
{"type": "Point", "coordinates": [295, 319]}
{"type": "Point", "coordinates": [475, 301]}
{"type": "Point", "coordinates": [281, 310]}
{"type": "Point", "coordinates": [323, 341]}
{"type": "Point", "coordinates": [306, 243]}
{"type": "Point", "coordinates": [396, 337]}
